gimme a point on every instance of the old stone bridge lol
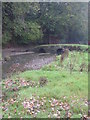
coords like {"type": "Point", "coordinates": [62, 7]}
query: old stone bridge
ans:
{"type": "Point", "coordinates": [32, 58]}
{"type": "Point", "coordinates": [58, 48]}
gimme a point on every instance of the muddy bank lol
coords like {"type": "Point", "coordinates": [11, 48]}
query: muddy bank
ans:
{"type": "Point", "coordinates": [25, 61]}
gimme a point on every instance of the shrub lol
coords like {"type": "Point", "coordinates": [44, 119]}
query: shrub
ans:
{"type": "Point", "coordinates": [27, 32]}
{"type": "Point", "coordinates": [6, 37]}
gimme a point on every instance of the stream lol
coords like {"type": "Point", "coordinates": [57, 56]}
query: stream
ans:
{"type": "Point", "coordinates": [22, 61]}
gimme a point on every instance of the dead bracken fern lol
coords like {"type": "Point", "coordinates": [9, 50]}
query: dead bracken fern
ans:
{"type": "Point", "coordinates": [82, 67]}
{"type": "Point", "coordinates": [64, 55]}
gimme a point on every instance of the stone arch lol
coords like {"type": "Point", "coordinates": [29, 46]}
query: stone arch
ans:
{"type": "Point", "coordinates": [59, 51]}
{"type": "Point", "coordinates": [41, 50]}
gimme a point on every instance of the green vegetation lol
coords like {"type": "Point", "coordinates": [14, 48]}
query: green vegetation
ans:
{"type": "Point", "coordinates": [84, 46]}
{"type": "Point", "coordinates": [76, 60]}
{"type": "Point", "coordinates": [64, 45]}
{"type": "Point", "coordinates": [65, 93]}
{"type": "Point", "coordinates": [44, 22]}
{"type": "Point", "coordinates": [29, 32]}
{"type": "Point", "coordinates": [57, 90]}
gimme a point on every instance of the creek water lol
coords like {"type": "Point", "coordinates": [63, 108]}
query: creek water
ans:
{"type": "Point", "coordinates": [25, 61]}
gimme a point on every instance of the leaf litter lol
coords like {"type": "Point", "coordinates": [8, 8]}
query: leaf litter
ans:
{"type": "Point", "coordinates": [36, 104]}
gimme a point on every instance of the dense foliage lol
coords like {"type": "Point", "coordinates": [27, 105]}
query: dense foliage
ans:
{"type": "Point", "coordinates": [37, 22]}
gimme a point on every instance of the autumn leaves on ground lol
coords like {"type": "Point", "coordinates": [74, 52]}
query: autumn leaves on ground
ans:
{"type": "Point", "coordinates": [54, 91]}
